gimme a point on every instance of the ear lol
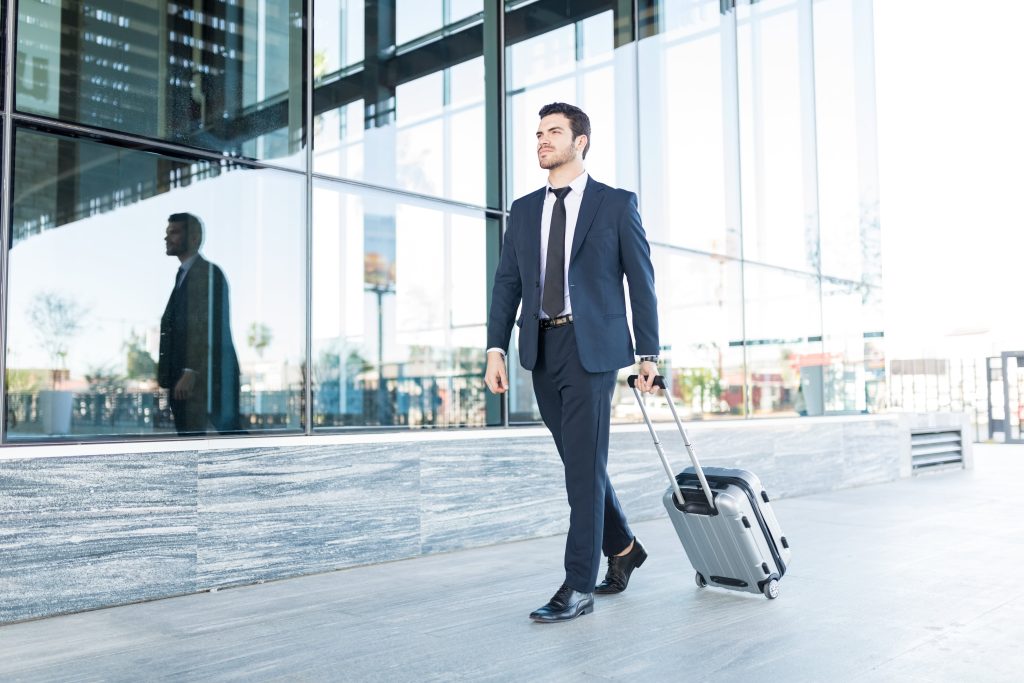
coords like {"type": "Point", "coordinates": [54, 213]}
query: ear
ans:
{"type": "Point", "coordinates": [581, 142]}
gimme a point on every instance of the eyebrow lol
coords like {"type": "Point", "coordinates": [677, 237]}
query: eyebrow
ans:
{"type": "Point", "coordinates": [551, 129]}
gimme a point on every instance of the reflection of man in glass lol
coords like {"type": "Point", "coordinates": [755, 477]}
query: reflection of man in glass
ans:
{"type": "Point", "coordinates": [197, 362]}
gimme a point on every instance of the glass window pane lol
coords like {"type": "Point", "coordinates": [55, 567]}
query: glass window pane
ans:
{"type": "Point", "coordinates": [700, 314]}
{"type": "Point", "coordinates": [784, 350]}
{"type": "Point", "coordinates": [779, 208]}
{"type": "Point", "coordinates": [411, 121]}
{"type": "Point", "coordinates": [415, 18]}
{"type": "Point", "coordinates": [854, 358]}
{"type": "Point", "coordinates": [461, 9]}
{"type": "Point", "coordinates": [399, 293]}
{"type": "Point", "coordinates": [575, 61]}
{"type": "Point", "coordinates": [227, 78]}
{"type": "Point", "coordinates": [338, 30]}
{"type": "Point", "coordinates": [682, 131]}
{"type": "Point", "coordinates": [845, 115]}
{"type": "Point", "coordinates": [103, 327]}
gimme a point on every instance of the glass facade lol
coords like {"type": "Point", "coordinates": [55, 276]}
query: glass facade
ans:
{"type": "Point", "coordinates": [282, 217]}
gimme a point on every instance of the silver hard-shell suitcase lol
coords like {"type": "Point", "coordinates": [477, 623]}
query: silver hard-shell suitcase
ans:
{"type": "Point", "coordinates": [734, 541]}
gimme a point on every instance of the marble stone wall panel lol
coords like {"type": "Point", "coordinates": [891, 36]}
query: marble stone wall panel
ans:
{"type": "Point", "coordinates": [869, 448]}
{"type": "Point", "coordinates": [277, 512]}
{"type": "Point", "coordinates": [88, 532]}
{"type": "Point", "coordinates": [492, 491]}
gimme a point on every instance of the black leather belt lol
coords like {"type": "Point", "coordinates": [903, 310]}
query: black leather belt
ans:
{"type": "Point", "coordinates": [548, 323]}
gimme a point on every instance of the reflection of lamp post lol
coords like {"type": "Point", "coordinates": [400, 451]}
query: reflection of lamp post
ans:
{"type": "Point", "coordinates": [380, 289]}
{"type": "Point", "coordinates": [379, 278]}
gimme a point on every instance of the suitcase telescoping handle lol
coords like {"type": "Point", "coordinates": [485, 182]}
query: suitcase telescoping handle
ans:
{"type": "Point", "coordinates": [659, 381]}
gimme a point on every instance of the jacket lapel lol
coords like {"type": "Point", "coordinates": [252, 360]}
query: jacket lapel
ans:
{"type": "Point", "coordinates": [593, 194]}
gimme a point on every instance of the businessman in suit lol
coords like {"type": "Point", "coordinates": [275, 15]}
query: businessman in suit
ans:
{"type": "Point", "coordinates": [197, 361]}
{"type": "Point", "coordinates": [565, 252]}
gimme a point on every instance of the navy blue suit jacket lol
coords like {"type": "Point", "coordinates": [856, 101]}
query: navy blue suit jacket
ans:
{"type": "Point", "coordinates": [609, 242]}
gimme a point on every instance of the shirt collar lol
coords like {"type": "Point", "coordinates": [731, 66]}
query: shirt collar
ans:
{"type": "Point", "coordinates": [578, 184]}
{"type": "Point", "coordinates": [187, 263]}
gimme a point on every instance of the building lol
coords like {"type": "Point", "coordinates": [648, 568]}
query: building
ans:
{"type": "Point", "coordinates": [353, 164]}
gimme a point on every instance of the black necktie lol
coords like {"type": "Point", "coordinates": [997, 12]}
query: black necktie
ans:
{"type": "Point", "coordinates": [554, 272]}
{"type": "Point", "coordinates": [178, 276]}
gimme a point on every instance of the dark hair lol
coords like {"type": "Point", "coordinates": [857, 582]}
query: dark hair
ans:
{"type": "Point", "coordinates": [579, 122]}
{"type": "Point", "coordinates": [193, 226]}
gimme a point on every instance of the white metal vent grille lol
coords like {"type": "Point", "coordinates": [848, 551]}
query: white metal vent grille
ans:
{"type": "Point", "coordinates": [935, 449]}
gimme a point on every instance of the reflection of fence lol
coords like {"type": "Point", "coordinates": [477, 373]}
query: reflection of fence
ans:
{"type": "Point", "coordinates": [926, 385]}
{"type": "Point", "coordinates": [428, 401]}
{"type": "Point", "coordinates": [122, 411]}
{"type": "Point", "coordinates": [444, 401]}
{"type": "Point", "coordinates": [97, 412]}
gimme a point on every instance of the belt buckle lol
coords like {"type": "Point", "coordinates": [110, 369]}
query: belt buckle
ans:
{"type": "Point", "coordinates": [559, 321]}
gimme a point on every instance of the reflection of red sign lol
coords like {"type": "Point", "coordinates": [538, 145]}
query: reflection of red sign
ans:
{"type": "Point", "coordinates": [808, 360]}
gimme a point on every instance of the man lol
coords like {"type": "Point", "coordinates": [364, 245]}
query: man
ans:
{"type": "Point", "coordinates": [564, 255]}
{"type": "Point", "coordinates": [197, 361]}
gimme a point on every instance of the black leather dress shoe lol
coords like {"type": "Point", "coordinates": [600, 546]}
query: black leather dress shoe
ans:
{"type": "Point", "coordinates": [566, 604]}
{"type": "Point", "coordinates": [619, 569]}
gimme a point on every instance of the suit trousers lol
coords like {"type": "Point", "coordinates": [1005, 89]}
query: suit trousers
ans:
{"type": "Point", "coordinates": [576, 407]}
{"type": "Point", "coordinates": [190, 416]}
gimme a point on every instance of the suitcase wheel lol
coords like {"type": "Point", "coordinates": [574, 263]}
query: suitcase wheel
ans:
{"type": "Point", "coordinates": [701, 583]}
{"type": "Point", "coordinates": [771, 589]}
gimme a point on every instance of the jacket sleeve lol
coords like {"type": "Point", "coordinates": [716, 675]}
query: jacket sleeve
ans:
{"type": "Point", "coordinates": [507, 291]}
{"type": "Point", "coordinates": [635, 255]}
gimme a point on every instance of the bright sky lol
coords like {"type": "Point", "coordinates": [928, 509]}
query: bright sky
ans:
{"type": "Point", "coordinates": [951, 145]}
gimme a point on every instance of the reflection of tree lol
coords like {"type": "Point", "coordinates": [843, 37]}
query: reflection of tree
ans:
{"type": "Point", "coordinates": [259, 338]}
{"type": "Point", "coordinates": [871, 243]}
{"type": "Point", "coordinates": [103, 379]}
{"type": "Point", "coordinates": [699, 383]}
{"type": "Point", "coordinates": [138, 363]}
{"type": "Point", "coordinates": [57, 319]}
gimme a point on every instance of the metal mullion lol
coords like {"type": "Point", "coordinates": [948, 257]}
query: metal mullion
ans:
{"type": "Point", "coordinates": [307, 36]}
{"type": "Point", "coordinates": [805, 38]}
{"type": "Point", "coordinates": [137, 142]}
{"type": "Point", "coordinates": [494, 213]}
{"type": "Point", "coordinates": [730, 70]}
{"type": "Point", "coordinates": [7, 215]}
{"type": "Point", "coordinates": [494, 113]}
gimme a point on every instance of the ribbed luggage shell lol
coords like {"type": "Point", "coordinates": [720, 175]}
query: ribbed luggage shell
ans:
{"type": "Point", "coordinates": [739, 548]}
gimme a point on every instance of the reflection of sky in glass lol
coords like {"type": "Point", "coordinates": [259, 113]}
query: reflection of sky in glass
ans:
{"type": "Point", "coordinates": [114, 265]}
{"type": "Point", "coordinates": [338, 31]}
{"type": "Point", "coordinates": [771, 141]}
{"type": "Point", "coordinates": [544, 69]}
{"type": "Point", "coordinates": [682, 147]}
{"type": "Point", "coordinates": [415, 18]}
{"type": "Point", "coordinates": [439, 290]}
{"type": "Point", "coordinates": [436, 146]}
{"type": "Point", "coordinates": [460, 9]}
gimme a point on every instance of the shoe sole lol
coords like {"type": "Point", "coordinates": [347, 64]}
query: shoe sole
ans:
{"type": "Point", "coordinates": [586, 610]}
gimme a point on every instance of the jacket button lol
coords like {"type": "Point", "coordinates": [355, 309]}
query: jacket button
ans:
{"type": "Point", "coordinates": [535, 316]}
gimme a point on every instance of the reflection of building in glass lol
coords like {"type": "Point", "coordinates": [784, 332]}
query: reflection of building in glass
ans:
{"type": "Point", "coordinates": [363, 245]}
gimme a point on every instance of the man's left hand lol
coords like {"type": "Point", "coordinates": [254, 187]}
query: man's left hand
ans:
{"type": "Point", "coordinates": [647, 372]}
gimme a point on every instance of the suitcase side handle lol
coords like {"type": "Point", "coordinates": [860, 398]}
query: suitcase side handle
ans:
{"type": "Point", "coordinates": [659, 381]}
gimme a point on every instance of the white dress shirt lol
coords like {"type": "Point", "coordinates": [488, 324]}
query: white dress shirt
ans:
{"type": "Point", "coordinates": [572, 212]}
{"type": "Point", "coordinates": [183, 269]}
